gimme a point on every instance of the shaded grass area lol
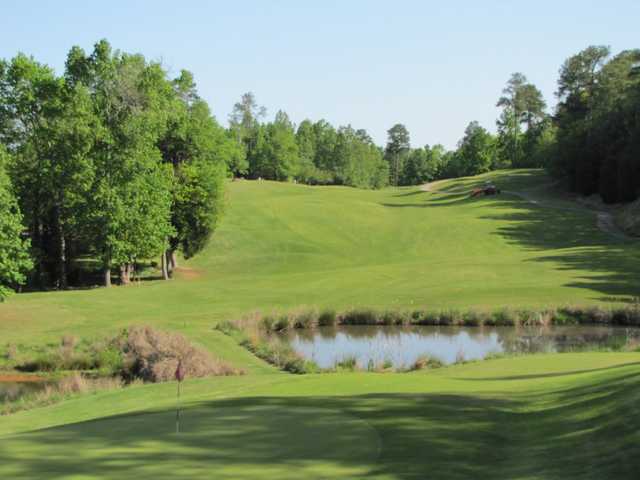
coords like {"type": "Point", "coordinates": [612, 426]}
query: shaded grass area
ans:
{"type": "Point", "coordinates": [555, 416]}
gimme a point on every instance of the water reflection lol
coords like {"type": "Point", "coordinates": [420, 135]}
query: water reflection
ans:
{"type": "Point", "coordinates": [403, 345]}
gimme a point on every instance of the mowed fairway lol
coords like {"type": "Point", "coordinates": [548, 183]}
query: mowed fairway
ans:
{"type": "Point", "coordinates": [284, 245]}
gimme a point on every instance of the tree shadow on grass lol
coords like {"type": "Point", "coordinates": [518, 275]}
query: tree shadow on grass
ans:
{"type": "Point", "coordinates": [583, 431]}
{"type": "Point", "coordinates": [602, 263]}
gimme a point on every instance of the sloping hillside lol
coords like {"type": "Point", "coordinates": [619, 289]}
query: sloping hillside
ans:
{"type": "Point", "coordinates": [285, 245]}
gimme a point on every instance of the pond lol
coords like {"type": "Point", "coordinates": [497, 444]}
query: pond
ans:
{"type": "Point", "coordinates": [14, 386]}
{"type": "Point", "coordinates": [402, 346]}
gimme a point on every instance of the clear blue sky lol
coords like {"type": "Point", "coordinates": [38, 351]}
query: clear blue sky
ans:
{"type": "Point", "coordinates": [432, 65]}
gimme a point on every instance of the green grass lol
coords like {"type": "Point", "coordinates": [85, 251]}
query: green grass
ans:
{"type": "Point", "coordinates": [284, 245]}
{"type": "Point", "coordinates": [281, 246]}
{"type": "Point", "coordinates": [546, 416]}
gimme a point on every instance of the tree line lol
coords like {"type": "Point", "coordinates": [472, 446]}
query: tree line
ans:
{"type": "Point", "coordinates": [597, 136]}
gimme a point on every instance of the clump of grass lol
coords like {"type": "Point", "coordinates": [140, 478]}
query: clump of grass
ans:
{"type": "Point", "coordinates": [475, 318]}
{"type": "Point", "coordinates": [347, 363]}
{"type": "Point", "coordinates": [62, 358]}
{"type": "Point", "coordinates": [11, 352]}
{"type": "Point", "coordinates": [451, 317]}
{"type": "Point", "coordinates": [387, 364]}
{"type": "Point", "coordinates": [359, 317]}
{"type": "Point", "coordinates": [503, 318]}
{"type": "Point", "coordinates": [268, 347]}
{"type": "Point", "coordinates": [396, 317]}
{"type": "Point", "coordinates": [494, 355]}
{"type": "Point", "coordinates": [66, 387]}
{"type": "Point", "coordinates": [327, 318]}
{"type": "Point", "coordinates": [305, 318]}
{"type": "Point", "coordinates": [68, 341]}
{"type": "Point", "coordinates": [425, 362]}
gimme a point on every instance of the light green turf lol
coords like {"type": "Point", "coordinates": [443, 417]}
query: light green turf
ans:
{"type": "Point", "coordinates": [538, 417]}
{"type": "Point", "coordinates": [285, 245]}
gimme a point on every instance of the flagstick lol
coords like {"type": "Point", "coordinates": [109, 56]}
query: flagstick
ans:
{"type": "Point", "coordinates": [178, 409]}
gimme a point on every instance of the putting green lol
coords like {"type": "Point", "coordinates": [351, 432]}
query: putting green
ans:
{"type": "Point", "coordinates": [245, 442]}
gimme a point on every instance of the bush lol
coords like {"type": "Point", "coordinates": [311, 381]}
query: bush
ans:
{"type": "Point", "coordinates": [109, 361]}
{"type": "Point", "coordinates": [153, 355]}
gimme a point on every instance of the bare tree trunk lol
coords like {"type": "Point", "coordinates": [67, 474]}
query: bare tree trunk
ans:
{"type": "Point", "coordinates": [107, 277]}
{"type": "Point", "coordinates": [173, 259]}
{"type": "Point", "coordinates": [124, 274]}
{"type": "Point", "coordinates": [163, 262]}
{"type": "Point", "coordinates": [62, 252]}
{"type": "Point", "coordinates": [63, 262]}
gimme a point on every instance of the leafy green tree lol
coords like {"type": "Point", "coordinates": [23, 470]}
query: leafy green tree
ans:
{"type": "Point", "coordinates": [277, 154]}
{"type": "Point", "coordinates": [476, 151]}
{"type": "Point", "coordinates": [244, 122]}
{"type": "Point", "coordinates": [306, 140]}
{"type": "Point", "coordinates": [52, 129]}
{"type": "Point", "coordinates": [522, 103]}
{"type": "Point", "coordinates": [130, 210]}
{"type": "Point", "coordinates": [398, 146]}
{"type": "Point", "coordinates": [199, 152]}
{"type": "Point", "coordinates": [15, 261]}
{"type": "Point", "coordinates": [576, 88]}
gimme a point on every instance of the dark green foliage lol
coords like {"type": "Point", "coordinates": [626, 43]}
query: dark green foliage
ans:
{"type": "Point", "coordinates": [598, 124]}
{"type": "Point", "coordinates": [14, 256]}
{"type": "Point", "coordinates": [314, 153]}
{"type": "Point", "coordinates": [476, 152]}
{"type": "Point", "coordinates": [397, 151]}
{"type": "Point", "coordinates": [113, 160]}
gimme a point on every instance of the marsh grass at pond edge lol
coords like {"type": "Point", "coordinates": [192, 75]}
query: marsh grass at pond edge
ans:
{"type": "Point", "coordinates": [256, 332]}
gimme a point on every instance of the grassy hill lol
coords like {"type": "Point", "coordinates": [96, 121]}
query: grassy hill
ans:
{"type": "Point", "coordinates": [285, 245]}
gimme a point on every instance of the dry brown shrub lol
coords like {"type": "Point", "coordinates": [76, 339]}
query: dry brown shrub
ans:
{"type": "Point", "coordinates": [68, 341]}
{"type": "Point", "coordinates": [74, 383]}
{"type": "Point", "coordinates": [12, 352]}
{"type": "Point", "coordinates": [153, 355]}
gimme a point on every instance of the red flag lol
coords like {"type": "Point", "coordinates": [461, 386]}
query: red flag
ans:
{"type": "Point", "coordinates": [179, 371]}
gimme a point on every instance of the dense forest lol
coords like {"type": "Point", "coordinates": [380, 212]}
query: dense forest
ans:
{"type": "Point", "coordinates": [114, 163]}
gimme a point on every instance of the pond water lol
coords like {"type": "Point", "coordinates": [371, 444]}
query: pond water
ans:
{"type": "Point", "coordinates": [402, 346]}
{"type": "Point", "coordinates": [11, 390]}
